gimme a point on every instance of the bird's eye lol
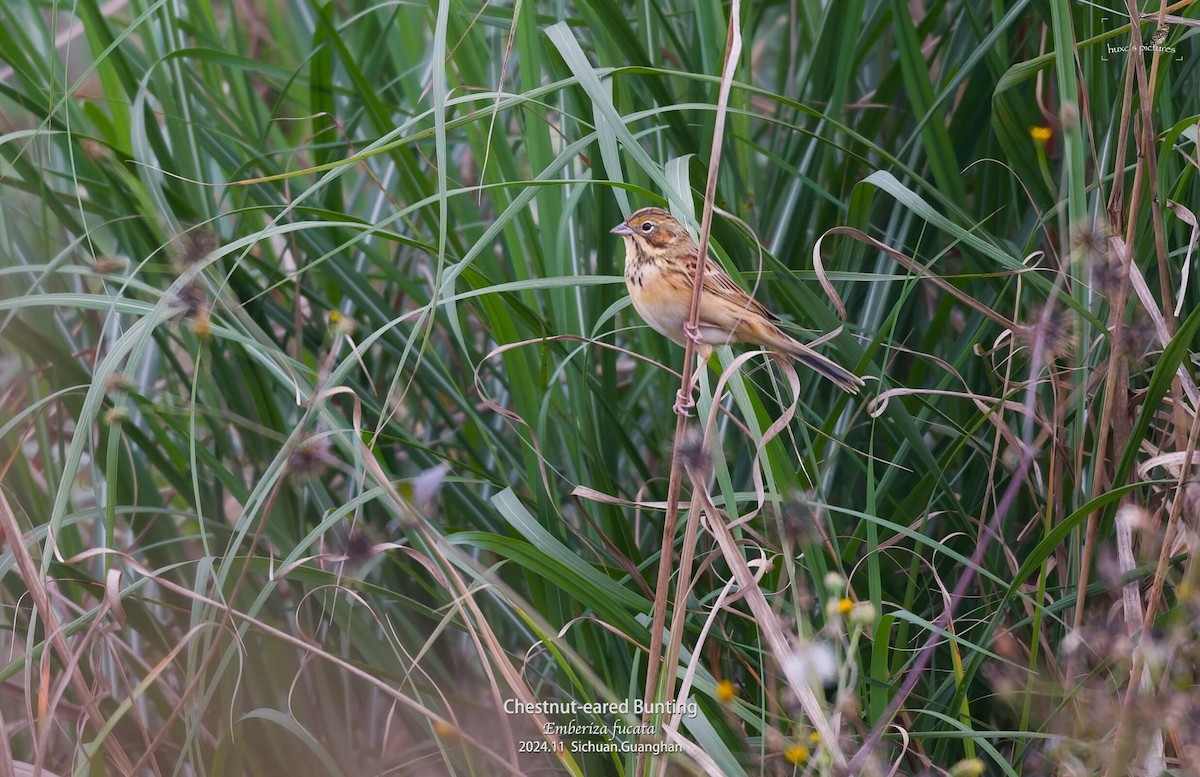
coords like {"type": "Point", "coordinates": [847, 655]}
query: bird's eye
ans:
{"type": "Point", "coordinates": [647, 226]}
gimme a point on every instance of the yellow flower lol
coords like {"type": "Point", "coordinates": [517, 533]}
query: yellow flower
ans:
{"type": "Point", "coordinates": [1040, 134]}
{"type": "Point", "coordinates": [814, 738]}
{"type": "Point", "coordinates": [341, 324]}
{"type": "Point", "coordinates": [444, 729]}
{"type": "Point", "coordinates": [796, 754]}
{"type": "Point", "coordinates": [971, 767]}
{"type": "Point", "coordinates": [725, 691]}
{"type": "Point", "coordinates": [844, 606]}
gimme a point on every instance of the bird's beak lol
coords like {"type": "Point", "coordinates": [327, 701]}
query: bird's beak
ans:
{"type": "Point", "coordinates": [622, 229]}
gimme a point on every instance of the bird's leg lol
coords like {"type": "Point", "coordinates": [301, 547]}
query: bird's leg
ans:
{"type": "Point", "coordinates": [691, 331]}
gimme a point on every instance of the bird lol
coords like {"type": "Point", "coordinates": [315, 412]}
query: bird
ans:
{"type": "Point", "coordinates": [661, 260]}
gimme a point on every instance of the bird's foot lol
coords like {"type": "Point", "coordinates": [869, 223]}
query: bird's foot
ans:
{"type": "Point", "coordinates": [691, 331]}
{"type": "Point", "coordinates": [683, 403]}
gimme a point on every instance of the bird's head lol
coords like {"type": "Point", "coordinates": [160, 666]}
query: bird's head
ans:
{"type": "Point", "coordinates": [652, 231]}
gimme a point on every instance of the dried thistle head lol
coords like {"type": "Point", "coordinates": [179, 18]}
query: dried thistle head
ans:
{"type": "Point", "coordinates": [800, 518]}
{"type": "Point", "coordinates": [358, 547]}
{"type": "Point", "coordinates": [194, 244]}
{"type": "Point", "coordinates": [1089, 242]}
{"type": "Point", "coordinates": [1052, 330]}
{"type": "Point", "coordinates": [693, 454]}
{"type": "Point", "coordinates": [1108, 273]}
{"type": "Point", "coordinates": [193, 297]}
{"type": "Point", "coordinates": [1138, 338]}
{"type": "Point", "coordinates": [309, 458]}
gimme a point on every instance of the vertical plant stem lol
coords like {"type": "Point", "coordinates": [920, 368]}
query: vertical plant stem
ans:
{"type": "Point", "coordinates": [733, 50]}
{"type": "Point", "coordinates": [1145, 175]}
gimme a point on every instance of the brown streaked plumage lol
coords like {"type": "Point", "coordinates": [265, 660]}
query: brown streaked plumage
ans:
{"type": "Point", "coordinates": [660, 270]}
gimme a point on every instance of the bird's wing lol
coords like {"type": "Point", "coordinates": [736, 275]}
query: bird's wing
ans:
{"type": "Point", "coordinates": [724, 303]}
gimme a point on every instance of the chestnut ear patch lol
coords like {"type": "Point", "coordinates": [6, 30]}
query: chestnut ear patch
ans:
{"type": "Point", "coordinates": [659, 236]}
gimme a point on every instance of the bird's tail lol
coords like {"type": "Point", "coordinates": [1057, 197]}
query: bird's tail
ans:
{"type": "Point", "coordinates": [827, 368]}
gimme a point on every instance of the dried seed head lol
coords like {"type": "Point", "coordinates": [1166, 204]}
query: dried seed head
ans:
{"type": "Point", "coordinates": [1053, 331]}
{"type": "Point", "coordinates": [693, 454]}
{"type": "Point", "coordinates": [309, 458]}
{"type": "Point", "coordinates": [193, 297]}
{"type": "Point", "coordinates": [1090, 241]}
{"type": "Point", "coordinates": [358, 547]}
{"type": "Point", "coordinates": [1107, 276]}
{"type": "Point", "coordinates": [1091, 244]}
{"type": "Point", "coordinates": [800, 518]}
{"type": "Point", "coordinates": [194, 244]}
{"type": "Point", "coordinates": [108, 265]}
{"type": "Point", "coordinates": [202, 324]}
{"type": "Point", "coordinates": [116, 382]}
{"type": "Point", "coordinates": [862, 615]}
{"type": "Point", "coordinates": [1138, 338]}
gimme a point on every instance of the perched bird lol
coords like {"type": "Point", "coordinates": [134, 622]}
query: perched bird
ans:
{"type": "Point", "coordinates": [660, 270]}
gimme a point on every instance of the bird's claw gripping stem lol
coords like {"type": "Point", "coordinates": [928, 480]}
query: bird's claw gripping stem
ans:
{"type": "Point", "coordinates": [683, 403]}
{"type": "Point", "coordinates": [691, 331]}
